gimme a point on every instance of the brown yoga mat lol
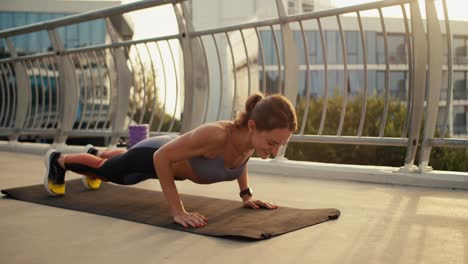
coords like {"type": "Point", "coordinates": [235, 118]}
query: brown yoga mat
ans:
{"type": "Point", "coordinates": [226, 218]}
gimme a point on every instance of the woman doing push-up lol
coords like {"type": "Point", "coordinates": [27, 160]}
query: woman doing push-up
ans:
{"type": "Point", "coordinates": [213, 152]}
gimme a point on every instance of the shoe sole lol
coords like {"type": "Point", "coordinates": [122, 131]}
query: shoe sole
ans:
{"type": "Point", "coordinates": [46, 177]}
{"type": "Point", "coordinates": [85, 183]}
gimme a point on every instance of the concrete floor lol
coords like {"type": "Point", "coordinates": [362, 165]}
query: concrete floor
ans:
{"type": "Point", "coordinates": [379, 224]}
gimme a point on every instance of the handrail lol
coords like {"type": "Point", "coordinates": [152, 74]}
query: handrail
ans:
{"type": "Point", "coordinates": [34, 87]}
{"type": "Point", "coordinates": [86, 16]}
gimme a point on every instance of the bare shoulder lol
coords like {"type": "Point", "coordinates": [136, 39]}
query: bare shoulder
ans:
{"type": "Point", "coordinates": [214, 134]}
{"type": "Point", "coordinates": [205, 140]}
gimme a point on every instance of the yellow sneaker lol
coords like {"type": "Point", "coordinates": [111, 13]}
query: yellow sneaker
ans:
{"type": "Point", "coordinates": [54, 179]}
{"type": "Point", "coordinates": [91, 183]}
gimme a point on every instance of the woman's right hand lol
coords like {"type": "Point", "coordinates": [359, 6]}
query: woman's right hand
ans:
{"type": "Point", "coordinates": [191, 219]}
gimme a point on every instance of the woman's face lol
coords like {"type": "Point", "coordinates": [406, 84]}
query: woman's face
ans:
{"type": "Point", "coordinates": [268, 143]}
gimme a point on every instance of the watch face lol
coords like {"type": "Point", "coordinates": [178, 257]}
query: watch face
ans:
{"type": "Point", "coordinates": [246, 191]}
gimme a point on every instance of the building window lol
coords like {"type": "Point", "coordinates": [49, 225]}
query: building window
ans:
{"type": "Point", "coordinates": [460, 52]}
{"type": "Point", "coordinates": [396, 49]}
{"type": "Point", "coordinates": [460, 91]}
{"type": "Point", "coordinates": [459, 120]}
{"type": "Point", "coordinates": [397, 82]}
{"type": "Point", "coordinates": [312, 38]}
{"type": "Point", "coordinates": [269, 47]}
{"type": "Point", "coordinates": [308, 7]}
{"type": "Point", "coordinates": [352, 46]}
{"type": "Point", "coordinates": [292, 8]}
{"type": "Point", "coordinates": [86, 33]}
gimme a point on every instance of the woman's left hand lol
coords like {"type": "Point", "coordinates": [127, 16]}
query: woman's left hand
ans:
{"type": "Point", "coordinates": [257, 204]}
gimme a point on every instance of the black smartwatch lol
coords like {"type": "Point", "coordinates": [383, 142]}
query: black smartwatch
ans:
{"type": "Point", "coordinates": [246, 191]}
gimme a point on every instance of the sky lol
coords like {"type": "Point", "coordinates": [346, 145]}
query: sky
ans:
{"type": "Point", "coordinates": [146, 24]}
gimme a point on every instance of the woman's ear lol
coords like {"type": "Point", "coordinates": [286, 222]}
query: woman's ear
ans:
{"type": "Point", "coordinates": [251, 125]}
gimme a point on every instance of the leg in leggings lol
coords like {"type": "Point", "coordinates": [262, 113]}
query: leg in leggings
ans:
{"type": "Point", "coordinates": [130, 167]}
{"type": "Point", "coordinates": [109, 153]}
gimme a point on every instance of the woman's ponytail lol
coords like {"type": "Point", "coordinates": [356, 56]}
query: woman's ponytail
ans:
{"type": "Point", "coordinates": [243, 117]}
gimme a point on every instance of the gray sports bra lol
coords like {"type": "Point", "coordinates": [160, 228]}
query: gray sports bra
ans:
{"type": "Point", "coordinates": [209, 170]}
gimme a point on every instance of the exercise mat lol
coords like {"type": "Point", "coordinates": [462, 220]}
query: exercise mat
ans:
{"type": "Point", "coordinates": [226, 218]}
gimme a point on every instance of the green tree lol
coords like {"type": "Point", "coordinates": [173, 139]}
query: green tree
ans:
{"type": "Point", "coordinates": [146, 103]}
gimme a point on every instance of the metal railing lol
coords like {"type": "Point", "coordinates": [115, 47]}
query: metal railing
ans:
{"type": "Point", "coordinates": [99, 90]}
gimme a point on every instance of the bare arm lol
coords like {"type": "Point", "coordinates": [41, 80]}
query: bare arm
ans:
{"type": "Point", "coordinates": [198, 142]}
{"type": "Point", "coordinates": [243, 182]}
{"type": "Point", "coordinates": [166, 179]}
{"type": "Point", "coordinates": [247, 200]}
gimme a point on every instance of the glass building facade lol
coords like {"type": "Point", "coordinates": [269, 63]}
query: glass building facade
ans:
{"type": "Point", "coordinates": [42, 72]}
{"type": "Point", "coordinates": [398, 78]}
{"type": "Point", "coordinates": [88, 33]}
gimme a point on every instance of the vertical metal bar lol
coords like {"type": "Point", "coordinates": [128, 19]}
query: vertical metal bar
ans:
{"type": "Point", "coordinates": [69, 93]}
{"type": "Point", "coordinates": [15, 100]}
{"type": "Point", "coordinates": [133, 84]}
{"type": "Point", "coordinates": [57, 87]}
{"type": "Point", "coordinates": [27, 122]}
{"type": "Point", "coordinates": [120, 92]}
{"type": "Point", "coordinates": [278, 60]}
{"type": "Point", "coordinates": [11, 114]}
{"type": "Point", "coordinates": [249, 91]}
{"type": "Point", "coordinates": [21, 93]}
{"type": "Point", "coordinates": [31, 119]}
{"type": "Point", "coordinates": [113, 95]}
{"type": "Point", "coordinates": [325, 65]}
{"type": "Point", "coordinates": [448, 105]}
{"type": "Point", "coordinates": [307, 78]}
{"type": "Point", "coordinates": [220, 77]}
{"type": "Point", "coordinates": [43, 94]}
{"type": "Point", "coordinates": [93, 88]}
{"type": "Point", "coordinates": [420, 59]}
{"type": "Point", "coordinates": [49, 89]}
{"type": "Point", "coordinates": [4, 111]}
{"type": "Point", "coordinates": [163, 110]}
{"type": "Point", "coordinates": [29, 91]}
{"type": "Point", "coordinates": [345, 77]}
{"type": "Point", "coordinates": [36, 94]}
{"type": "Point", "coordinates": [100, 89]}
{"type": "Point", "coordinates": [234, 101]}
{"type": "Point", "coordinates": [109, 91]}
{"type": "Point", "coordinates": [177, 87]}
{"type": "Point", "coordinates": [155, 102]}
{"type": "Point", "coordinates": [434, 37]}
{"type": "Point", "coordinates": [85, 91]}
{"type": "Point", "coordinates": [185, 27]}
{"type": "Point", "coordinates": [260, 45]}
{"type": "Point", "coordinates": [364, 62]}
{"type": "Point", "coordinates": [205, 110]}
{"type": "Point", "coordinates": [144, 85]}
{"type": "Point", "coordinates": [387, 73]}
{"type": "Point", "coordinates": [410, 74]}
